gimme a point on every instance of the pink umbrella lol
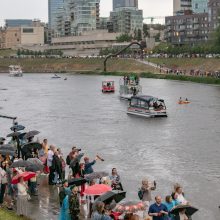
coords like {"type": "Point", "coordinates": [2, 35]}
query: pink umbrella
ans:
{"type": "Point", "coordinates": [97, 189]}
{"type": "Point", "coordinates": [25, 175]}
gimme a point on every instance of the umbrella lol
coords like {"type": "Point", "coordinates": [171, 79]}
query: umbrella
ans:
{"type": "Point", "coordinates": [97, 189]}
{"type": "Point", "coordinates": [36, 162]}
{"type": "Point", "coordinates": [77, 181]}
{"type": "Point", "coordinates": [31, 134]}
{"type": "Point", "coordinates": [190, 210]}
{"type": "Point", "coordinates": [17, 128]}
{"type": "Point", "coordinates": [33, 168]}
{"type": "Point", "coordinates": [25, 175]}
{"type": "Point", "coordinates": [5, 152]}
{"type": "Point", "coordinates": [8, 147]}
{"type": "Point", "coordinates": [14, 134]}
{"type": "Point", "coordinates": [96, 175]}
{"type": "Point", "coordinates": [32, 145]}
{"type": "Point", "coordinates": [109, 196]}
{"type": "Point", "coordinates": [22, 135]}
{"type": "Point", "coordinates": [21, 163]}
{"type": "Point", "coordinates": [130, 206]}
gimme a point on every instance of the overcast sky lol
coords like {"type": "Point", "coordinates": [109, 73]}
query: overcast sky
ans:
{"type": "Point", "coordinates": [31, 9]}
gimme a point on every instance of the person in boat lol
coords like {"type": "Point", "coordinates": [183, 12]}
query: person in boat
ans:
{"type": "Point", "coordinates": [186, 100]}
{"type": "Point", "coordinates": [155, 105]}
{"type": "Point", "coordinates": [180, 99]}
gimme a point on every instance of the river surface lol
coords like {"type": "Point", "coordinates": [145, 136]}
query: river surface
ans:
{"type": "Point", "coordinates": [183, 148]}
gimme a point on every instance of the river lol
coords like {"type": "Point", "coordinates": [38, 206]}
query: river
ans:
{"type": "Point", "coordinates": [182, 148]}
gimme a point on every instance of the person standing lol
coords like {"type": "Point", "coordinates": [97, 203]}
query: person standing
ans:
{"type": "Point", "coordinates": [145, 194]}
{"type": "Point", "coordinates": [115, 180]}
{"type": "Point", "coordinates": [3, 182]}
{"type": "Point", "coordinates": [45, 146]}
{"type": "Point", "coordinates": [88, 165]}
{"type": "Point", "coordinates": [49, 164]}
{"type": "Point", "coordinates": [158, 211]}
{"type": "Point", "coordinates": [22, 199]}
{"type": "Point", "coordinates": [74, 204]}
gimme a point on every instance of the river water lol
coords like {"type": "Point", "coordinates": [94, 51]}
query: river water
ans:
{"type": "Point", "coordinates": [182, 148]}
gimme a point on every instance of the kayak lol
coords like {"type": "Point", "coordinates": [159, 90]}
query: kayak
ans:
{"type": "Point", "coordinates": [183, 102]}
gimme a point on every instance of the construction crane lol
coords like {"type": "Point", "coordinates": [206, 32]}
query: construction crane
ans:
{"type": "Point", "coordinates": [154, 17]}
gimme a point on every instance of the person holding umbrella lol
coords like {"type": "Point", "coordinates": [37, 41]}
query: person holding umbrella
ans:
{"type": "Point", "coordinates": [22, 199]}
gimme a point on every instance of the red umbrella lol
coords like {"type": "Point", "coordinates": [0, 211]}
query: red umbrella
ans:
{"type": "Point", "coordinates": [97, 189]}
{"type": "Point", "coordinates": [130, 206]}
{"type": "Point", "coordinates": [25, 175]}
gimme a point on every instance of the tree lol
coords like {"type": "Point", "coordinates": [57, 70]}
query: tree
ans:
{"type": "Point", "coordinates": [145, 30]}
{"type": "Point", "coordinates": [124, 38]}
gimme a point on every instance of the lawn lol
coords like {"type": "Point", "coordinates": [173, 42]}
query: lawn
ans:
{"type": "Point", "coordinates": [207, 64]}
{"type": "Point", "coordinates": [7, 52]}
{"type": "Point", "coordinates": [9, 215]}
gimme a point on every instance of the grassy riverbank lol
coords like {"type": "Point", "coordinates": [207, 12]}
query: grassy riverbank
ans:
{"type": "Point", "coordinates": [207, 64]}
{"type": "Point", "coordinates": [205, 80]}
{"type": "Point", "coordinates": [9, 215]}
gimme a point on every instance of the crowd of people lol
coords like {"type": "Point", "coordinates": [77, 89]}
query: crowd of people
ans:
{"type": "Point", "coordinates": [18, 185]}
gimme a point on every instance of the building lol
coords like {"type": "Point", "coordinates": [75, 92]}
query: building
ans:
{"type": "Point", "coordinates": [18, 22]}
{"type": "Point", "coordinates": [200, 6]}
{"type": "Point", "coordinates": [127, 19]}
{"type": "Point", "coordinates": [124, 3]}
{"type": "Point", "coordinates": [53, 6]}
{"type": "Point", "coordinates": [214, 14]}
{"type": "Point", "coordinates": [87, 44]}
{"type": "Point", "coordinates": [10, 37]}
{"type": "Point", "coordinates": [182, 7]}
{"type": "Point", "coordinates": [187, 29]}
{"type": "Point", "coordinates": [76, 17]}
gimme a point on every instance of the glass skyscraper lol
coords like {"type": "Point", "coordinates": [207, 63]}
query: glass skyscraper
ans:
{"type": "Point", "coordinates": [124, 3]}
{"type": "Point", "coordinates": [53, 6]}
{"type": "Point", "coordinates": [200, 6]}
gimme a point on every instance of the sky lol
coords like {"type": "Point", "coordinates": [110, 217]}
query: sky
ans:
{"type": "Point", "coordinates": [31, 9]}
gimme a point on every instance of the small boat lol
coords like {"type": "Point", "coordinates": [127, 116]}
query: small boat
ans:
{"type": "Point", "coordinates": [183, 102]}
{"type": "Point", "coordinates": [55, 77]}
{"type": "Point", "coordinates": [15, 70]}
{"type": "Point", "coordinates": [65, 78]}
{"type": "Point", "coordinates": [108, 86]}
{"type": "Point", "coordinates": [129, 87]}
{"type": "Point", "coordinates": [147, 106]}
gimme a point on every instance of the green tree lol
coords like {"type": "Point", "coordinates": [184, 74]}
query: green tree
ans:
{"type": "Point", "coordinates": [124, 38]}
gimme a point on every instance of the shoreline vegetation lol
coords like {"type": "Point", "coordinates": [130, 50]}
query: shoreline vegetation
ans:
{"type": "Point", "coordinates": [10, 215]}
{"type": "Point", "coordinates": [115, 67]}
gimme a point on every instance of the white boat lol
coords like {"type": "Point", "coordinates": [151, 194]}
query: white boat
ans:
{"type": "Point", "coordinates": [129, 88]}
{"type": "Point", "coordinates": [15, 70]}
{"type": "Point", "coordinates": [147, 106]}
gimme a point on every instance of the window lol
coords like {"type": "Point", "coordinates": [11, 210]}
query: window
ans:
{"type": "Point", "coordinates": [28, 30]}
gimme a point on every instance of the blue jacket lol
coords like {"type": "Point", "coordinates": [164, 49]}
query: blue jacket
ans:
{"type": "Point", "coordinates": [88, 167]}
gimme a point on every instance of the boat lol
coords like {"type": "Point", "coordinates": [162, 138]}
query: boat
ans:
{"type": "Point", "coordinates": [15, 70]}
{"type": "Point", "coordinates": [108, 86]}
{"type": "Point", "coordinates": [147, 106]}
{"type": "Point", "coordinates": [183, 102]}
{"type": "Point", "coordinates": [55, 77]}
{"type": "Point", "coordinates": [129, 86]}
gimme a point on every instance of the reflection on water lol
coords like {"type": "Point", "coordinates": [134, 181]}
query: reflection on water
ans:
{"type": "Point", "coordinates": [181, 148]}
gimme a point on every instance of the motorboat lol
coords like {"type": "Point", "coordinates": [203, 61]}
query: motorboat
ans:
{"type": "Point", "coordinates": [182, 102]}
{"type": "Point", "coordinates": [108, 86]}
{"type": "Point", "coordinates": [147, 106]}
{"type": "Point", "coordinates": [15, 70]}
{"type": "Point", "coordinates": [55, 77]}
{"type": "Point", "coordinates": [129, 86]}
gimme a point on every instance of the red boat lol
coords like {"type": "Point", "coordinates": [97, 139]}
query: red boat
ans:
{"type": "Point", "coordinates": [108, 86]}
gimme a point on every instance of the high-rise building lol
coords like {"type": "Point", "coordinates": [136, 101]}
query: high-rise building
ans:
{"type": "Point", "coordinates": [200, 6]}
{"type": "Point", "coordinates": [53, 6]}
{"type": "Point", "coordinates": [214, 11]}
{"type": "Point", "coordinates": [124, 3]}
{"type": "Point", "coordinates": [182, 7]}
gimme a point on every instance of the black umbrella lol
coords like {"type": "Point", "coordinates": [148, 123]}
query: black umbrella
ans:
{"type": "Point", "coordinates": [7, 147]}
{"type": "Point", "coordinates": [109, 196]}
{"type": "Point", "coordinates": [21, 163]}
{"type": "Point", "coordinates": [20, 136]}
{"type": "Point", "coordinates": [77, 181]}
{"type": "Point", "coordinates": [31, 134]}
{"type": "Point", "coordinates": [32, 145]}
{"type": "Point", "coordinates": [33, 168]}
{"type": "Point", "coordinates": [5, 152]}
{"type": "Point", "coordinates": [36, 162]}
{"type": "Point", "coordinates": [14, 134]}
{"type": "Point", "coordinates": [17, 128]}
{"type": "Point", "coordinates": [190, 210]}
{"type": "Point", "coordinates": [96, 175]}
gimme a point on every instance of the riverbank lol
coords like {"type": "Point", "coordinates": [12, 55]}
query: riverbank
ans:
{"type": "Point", "coordinates": [10, 215]}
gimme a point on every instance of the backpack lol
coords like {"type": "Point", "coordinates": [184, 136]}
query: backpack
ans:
{"type": "Point", "coordinates": [140, 194]}
{"type": "Point", "coordinates": [68, 160]}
